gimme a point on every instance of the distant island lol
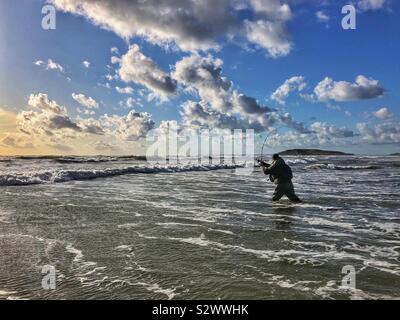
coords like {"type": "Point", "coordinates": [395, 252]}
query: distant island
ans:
{"type": "Point", "coordinates": [313, 152]}
{"type": "Point", "coordinates": [395, 154]}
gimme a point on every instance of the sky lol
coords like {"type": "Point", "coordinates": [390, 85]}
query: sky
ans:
{"type": "Point", "coordinates": [113, 71]}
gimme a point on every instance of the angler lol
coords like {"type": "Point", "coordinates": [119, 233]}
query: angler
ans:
{"type": "Point", "coordinates": [281, 174]}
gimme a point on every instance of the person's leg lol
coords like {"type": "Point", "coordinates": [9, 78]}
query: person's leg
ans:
{"type": "Point", "coordinates": [289, 192]}
{"type": "Point", "coordinates": [278, 193]}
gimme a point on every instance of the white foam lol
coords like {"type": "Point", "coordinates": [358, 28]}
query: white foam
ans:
{"type": "Point", "coordinates": [124, 248]}
{"type": "Point", "coordinates": [154, 287]}
{"type": "Point", "coordinates": [29, 178]}
{"type": "Point", "coordinates": [331, 166]}
{"type": "Point", "coordinates": [8, 295]}
{"type": "Point", "coordinates": [127, 225]}
{"type": "Point", "coordinates": [77, 253]}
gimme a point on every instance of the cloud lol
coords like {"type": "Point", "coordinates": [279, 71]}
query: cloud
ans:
{"type": "Point", "coordinates": [105, 146]}
{"type": "Point", "coordinates": [53, 122]}
{"type": "Point", "coordinates": [220, 104]}
{"type": "Point", "coordinates": [268, 28]}
{"type": "Point", "coordinates": [132, 127]}
{"type": "Point", "coordinates": [273, 9]}
{"type": "Point", "coordinates": [295, 83]}
{"type": "Point", "coordinates": [372, 5]}
{"type": "Point", "coordinates": [383, 113]}
{"type": "Point", "coordinates": [322, 17]}
{"type": "Point", "coordinates": [136, 67]}
{"type": "Point", "coordinates": [50, 121]}
{"type": "Point", "coordinates": [383, 133]}
{"type": "Point", "coordinates": [91, 126]}
{"type": "Point", "coordinates": [87, 102]}
{"type": "Point", "coordinates": [204, 76]}
{"type": "Point", "coordinates": [271, 36]}
{"type": "Point", "coordinates": [324, 130]}
{"type": "Point", "coordinates": [126, 90]}
{"type": "Point", "coordinates": [110, 77]}
{"type": "Point", "coordinates": [61, 147]}
{"type": "Point", "coordinates": [41, 101]}
{"type": "Point", "coordinates": [47, 124]}
{"type": "Point", "coordinates": [17, 141]}
{"type": "Point", "coordinates": [130, 102]}
{"type": "Point", "coordinates": [7, 120]}
{"type": "Point", "coordinates": [197, 115]}
{"type": "Point", "coordinates": [86, 64]}
{"type": "Point", "coordinates": [190, 25]}
{"type": "Point", "coordinates": [320, 134]}
{"type": "Point", "coordinates": [50, 65]}
{"type": "Point", "coordinates": [364, 88]}
{"type": "Point", "coordinates": [86, 111]}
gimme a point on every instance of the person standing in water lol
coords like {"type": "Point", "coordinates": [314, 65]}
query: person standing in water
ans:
{"type": "Point", "coordinates": [281, 174]}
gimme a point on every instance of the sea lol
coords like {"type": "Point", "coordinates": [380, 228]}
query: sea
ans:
{"type": "Point", "coordinates": [123, 228]}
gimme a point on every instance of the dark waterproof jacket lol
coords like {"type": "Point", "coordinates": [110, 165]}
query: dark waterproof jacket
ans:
{"type": "Point", "coordinates": [279, 171]}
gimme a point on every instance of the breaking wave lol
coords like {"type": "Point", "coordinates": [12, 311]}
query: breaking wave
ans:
{"type": "Point", "coordinates": [331, 166]}
{"type": "Point", "coordinates": [58, 176]}
{"type": "Point", "coordinates": [300, 161]}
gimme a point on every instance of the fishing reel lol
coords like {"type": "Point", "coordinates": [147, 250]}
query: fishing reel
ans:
{"type": "Point", "coordinates": [263, 163]}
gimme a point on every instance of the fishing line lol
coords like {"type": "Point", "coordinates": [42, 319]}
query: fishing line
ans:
{"type": "Point", "coordinates": [265, 141]}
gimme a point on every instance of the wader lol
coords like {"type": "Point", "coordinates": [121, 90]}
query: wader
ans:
{"type": "Point", "coordinates": [285, 188]}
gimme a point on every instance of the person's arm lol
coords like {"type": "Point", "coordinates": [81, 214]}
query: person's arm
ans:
{"type": "Point", "coordinates": [270, 169]}
{"type": "Point", "coordinates": [264, 165]}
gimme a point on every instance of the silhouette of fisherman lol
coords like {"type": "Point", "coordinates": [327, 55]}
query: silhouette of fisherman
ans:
{"type": "Point", "coordinates": [281, 174]}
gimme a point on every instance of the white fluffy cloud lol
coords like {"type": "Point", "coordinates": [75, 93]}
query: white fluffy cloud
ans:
{"type": "Point", "coordinates": [272, 9]}
{"type": "Point", "coordinates": [295, 83]}
{"type": "Point", "coordinates": [187, 24]}
{"type": "Point", "coordinates": [363, 88]}
{"type": "Point", "coordinates": [326, 131]}
{"type": "Point", "coordinates": [220, 104]}
{"type": "Point", "coordinates": [383, 113]}
{"type": "Point", "coordinates": [270, 35]}
{"type": "Point", "coordinates": [383, 133]}
{"type": "Point", "coordinates": [136, 67]}
{"type": "Point", "coordinates": [87, 102]}
{"type": "Point", "coordinates": [132, 127]}
{"type": "Point", "coordinates": [204, 76]}
{"type": "Point", "coordinates": [199, 115]}
{"type": "Point", "coordinates": [46, 119]}
{"type": "Point", "coordinates": [320, 134]}
{"type": "Point", "coordinates": [48, 124]}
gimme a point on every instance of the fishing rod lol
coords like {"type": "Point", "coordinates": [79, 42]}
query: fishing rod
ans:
{"type": "Point", "coordinates": [261, 161]}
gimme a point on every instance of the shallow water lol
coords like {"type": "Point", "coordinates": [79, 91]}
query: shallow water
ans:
{"type": "Point", "coordinates": [201, 234]}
